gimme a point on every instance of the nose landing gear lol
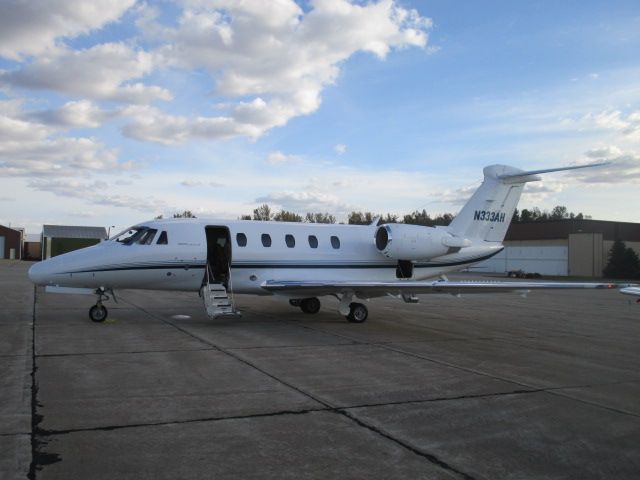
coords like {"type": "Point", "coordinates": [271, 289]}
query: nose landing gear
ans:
{"type": "Point", "coordinates": [98, 313]}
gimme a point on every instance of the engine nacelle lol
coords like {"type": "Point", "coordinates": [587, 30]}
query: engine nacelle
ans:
{"type": "Point", "coordinates": [415, 242]}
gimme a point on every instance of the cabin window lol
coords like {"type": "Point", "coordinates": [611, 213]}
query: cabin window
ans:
{"type": "Point", "coordinates": [335, 242]}
{"type": "Point", "coordinates": [290, 241]}
{"type": "Point", "coordinates": [241, 240]}
{"type": "Point", "coordinates": [313, 241]}
{"type": "Point", "coordinates": [162, 239]}
{"type": "Point", "coordinates": [266, 240]}
{"type": "Point", "coordinates": [147, 237]}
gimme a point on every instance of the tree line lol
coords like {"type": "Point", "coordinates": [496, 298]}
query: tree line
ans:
{"type": "Point", "coordinates": [418, 217]}
{"type": "Point", "coordinates": [559, 212]}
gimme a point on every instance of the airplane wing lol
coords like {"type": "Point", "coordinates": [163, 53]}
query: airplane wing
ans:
{"type": "Point", "coordinates": [411, 287]}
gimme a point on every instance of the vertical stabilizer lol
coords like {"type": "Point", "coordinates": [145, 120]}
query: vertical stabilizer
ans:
{"type": "Point", "coordinates": [487, 215]}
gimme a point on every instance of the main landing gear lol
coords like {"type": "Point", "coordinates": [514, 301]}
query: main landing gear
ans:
{"type": "Point", "coordinates": [307, 305]}
{"type": "Point", "coordinates": [354, 312]}
{"type": "Point", "coordinates": [98, 313]}
{"type": "Point", "coordinates": [358, 313]}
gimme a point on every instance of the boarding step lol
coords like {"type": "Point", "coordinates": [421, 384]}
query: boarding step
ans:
{"type": "Point", "coordinates": [217, 302]}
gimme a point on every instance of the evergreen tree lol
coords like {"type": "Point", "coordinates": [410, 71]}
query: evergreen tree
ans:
{"type": "Point", "coordinates": [623, 262]}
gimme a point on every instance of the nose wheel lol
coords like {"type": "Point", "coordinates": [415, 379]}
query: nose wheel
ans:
{"type": "Point", "coordinates": [98, 313]}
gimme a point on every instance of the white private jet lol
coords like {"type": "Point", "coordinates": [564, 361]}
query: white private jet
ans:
{"type": "Point", "coordinates": [301, 261]}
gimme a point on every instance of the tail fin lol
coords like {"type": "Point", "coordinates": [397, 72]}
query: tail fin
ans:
{"type": "Point", "coordinates": [487, 215]}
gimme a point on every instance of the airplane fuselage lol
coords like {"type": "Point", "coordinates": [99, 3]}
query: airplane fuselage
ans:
{"type": "Point", "coordinates": [260, 251]}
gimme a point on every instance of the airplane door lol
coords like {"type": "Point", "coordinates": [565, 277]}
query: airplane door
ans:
{"type": "Point", "coordinates": [218, 254]}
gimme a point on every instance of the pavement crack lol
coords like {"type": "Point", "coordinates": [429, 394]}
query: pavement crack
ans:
{"type": "Point", "coordinates": [428, 456]}
{"type": "Point", "coordinates": [38, 457]}
{"type": "Point", "coordinates": [108, 428]}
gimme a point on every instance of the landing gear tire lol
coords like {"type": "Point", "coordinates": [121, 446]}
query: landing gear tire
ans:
{"type": "Point", "coordinates": [98, 313]}
{"type": "Point", "coordinates": [310, 305]}
{"type": "Point", "coordinates": [358, 313]}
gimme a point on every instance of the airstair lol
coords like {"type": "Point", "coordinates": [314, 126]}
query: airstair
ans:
{"type": "Point", "coordinates": [217, 301]}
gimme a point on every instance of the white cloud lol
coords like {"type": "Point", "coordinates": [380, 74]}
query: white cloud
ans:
{"type": "Point", "coordinates": [200, 183]}
{"type": "Point", "coordinates": [272, 56]}
{"type": "Point", "coordinates": [604, 152]}
{"type": "Point", "coordinates": [151, 124]}
{"type": "Point", "coordinates": [458, 196]}
{"type": "Point", "coordinates": [340, 148]}
{"type": "Point", "coordinates": [628, 124]}
{"type": "Point", "coordinates": [83, 214]}
{"type": "Point", "coordinates": [32, 27]}
{"type": "Point", "coordinates": [278, 158]}
{"type": "Point", "coordinates": [94, 193]}
{"type": "Point", "coordinates": [104, 72]}
{"type": "Point", "coordinates": [305, 202]}
{"type": "Point", "coordinates": [29, 148]}
{"type": "Point", "coordinates": [622, 168]}
{"type": "Point", "coordinates": [77, 114]}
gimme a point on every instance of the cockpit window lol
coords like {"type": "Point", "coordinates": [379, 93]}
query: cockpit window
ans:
{"type": "Point", "coordinates": [140, 235]}
{"type": "Point", "coordinates": [162, 240]}
{"type": "Point", "coordinates": [147, 237]}
{"type": "Point", "coordinates": [129, 236]}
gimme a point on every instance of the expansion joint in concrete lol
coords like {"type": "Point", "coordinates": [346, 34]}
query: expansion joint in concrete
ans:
{"type": "Point", "coordinates": [124, 352]}
{"type": "Point", "coordinates": [235, 356]}
{"type": "Point", "coordinates": [34, 394]}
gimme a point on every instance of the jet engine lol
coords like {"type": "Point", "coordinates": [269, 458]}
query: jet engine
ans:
{"type": "Point", "coordinates": [415, 242]}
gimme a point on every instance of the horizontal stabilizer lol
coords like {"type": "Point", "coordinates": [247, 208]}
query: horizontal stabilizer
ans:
{"type": "Point", "coordinates": [521, 175]}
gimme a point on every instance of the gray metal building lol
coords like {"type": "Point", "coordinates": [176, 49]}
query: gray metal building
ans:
{"type": "Point", "coordinates": [562, 247]}
{"type": "Point", "coordinates": [59, 239]}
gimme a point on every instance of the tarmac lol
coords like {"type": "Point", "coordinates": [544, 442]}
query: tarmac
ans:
{"type": "Point", "coordinates": [478, 387]}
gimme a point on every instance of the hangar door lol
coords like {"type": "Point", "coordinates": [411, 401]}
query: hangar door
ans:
{"type": "Point", "coordinates": [546, 259]}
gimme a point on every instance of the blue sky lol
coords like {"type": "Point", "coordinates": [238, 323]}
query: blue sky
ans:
{"type": "Point", "coordinates": [115, 112]}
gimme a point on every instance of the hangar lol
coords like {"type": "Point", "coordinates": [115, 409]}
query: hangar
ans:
{"type": "Point", "coordinates": [59, 239]}
{"type": "Point", "coordinates": [569, 247]}
{"type": "Point", "coordinates": [11, 243]}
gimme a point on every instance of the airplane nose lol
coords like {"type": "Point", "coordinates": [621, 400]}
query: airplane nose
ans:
{"type": "Point", "coordinates": [37, 273]}
{"type": "Point", "coordinates": [43, 273]}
